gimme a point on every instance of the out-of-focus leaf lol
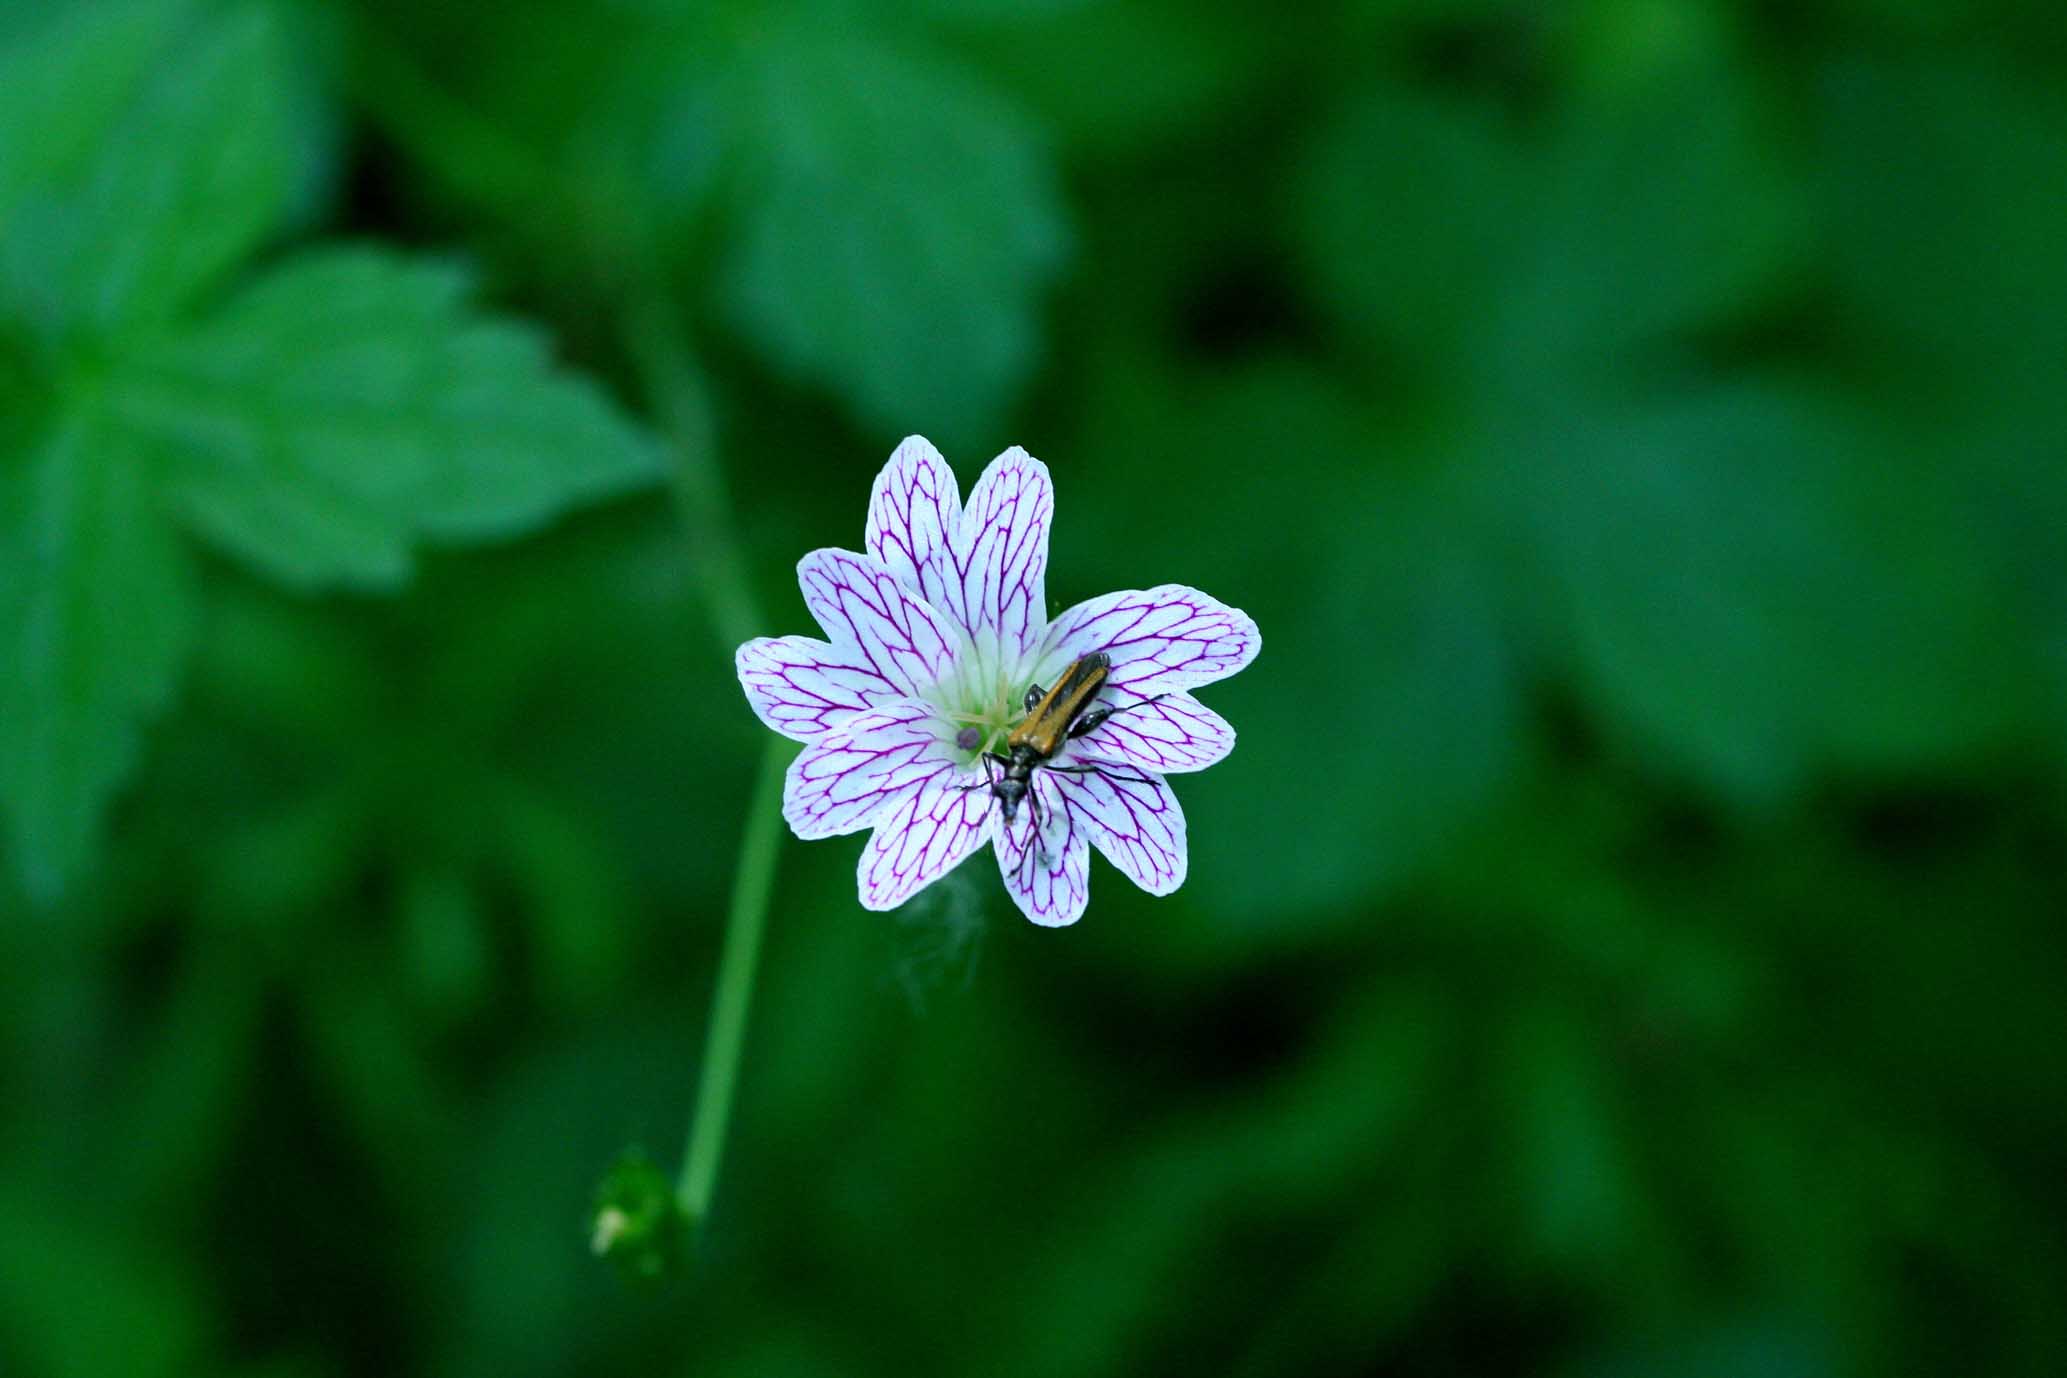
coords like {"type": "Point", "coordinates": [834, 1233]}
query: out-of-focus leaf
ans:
{"type": "Point", "coordinates": [93, 623]}
{"type": "Point", "coordinates": [572, 894]}
{"type": "Point", "coordinates": [1407, 218]}
{"type": "Point", "coordinates": [1767, 1347]}
{"type": "Point", "coordinates": [63, 83]}
{"type": "Point", "coordinates": [259, 877]}
{"type": "Point", "coordinates": [1118, 79]}
{"type": "Point", "coordinates": [371, 1059]}
{"type": "Point", "coordinates": [444, 945]}
{"type": "Point", "coordinates": [1387, 1256]}
{"type": "Point", "coordinates": [288, 668]}
{"type": "Point", "coordinates": [898, 224]}
{"type": "Point", "coordinates": [528, 1297]}
{"type": "Point", "coordinates": [314, 40]}
{"type": "Point", "coordinates": [1000, 11]}
{"type": "Point", "coordinates": [167, 198]}
{"type": "Point", "coordinates": [81, 1296]}
{"type": "Point", "coordinates": [1574, 1186]}
{"type": "Point", "coordinates": [884, 221]}
{"type": "Point", "coordinates": [1946, 213]}
{"type": "Point", "coordinates": [191, 1082]}
{"type": "Point", "coordinates": [1385, 705]}
{"type": "Point", "coordinates": [1662, 204]}
{"type": "Point", "coordinates": [1168, 1205]}
{"type": "Point", "coordinates": [1757, 581]}
{"type": "Point", "coordinates": [350, 405]}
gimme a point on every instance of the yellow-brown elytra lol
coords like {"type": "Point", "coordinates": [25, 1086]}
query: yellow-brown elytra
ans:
{"type": "Point", "coordinates": [1053, 717]}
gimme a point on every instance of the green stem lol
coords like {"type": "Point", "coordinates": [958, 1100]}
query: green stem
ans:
{"type": "Point", "coordinates": [674, 386]}
{"type": "Point", "coordinates": [477, 160]}
{"type": "Point", "coordinates": [736, 967]}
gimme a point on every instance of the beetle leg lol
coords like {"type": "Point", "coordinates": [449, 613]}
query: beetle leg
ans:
{"type": "Point", "coordinates": [1040, 838]}
{"type": "Point", "coordinates": [1098, 715]}
{"type": "Point", "coordinates": [1106, 771]}
{"type": "Point", "coordinates": [986, 782]}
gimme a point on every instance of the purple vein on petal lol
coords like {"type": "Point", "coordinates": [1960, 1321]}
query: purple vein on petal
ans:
{"type": "Point", "coordinates": [841, 783]}
{"type": "Point", "coordinates": [860, 605]}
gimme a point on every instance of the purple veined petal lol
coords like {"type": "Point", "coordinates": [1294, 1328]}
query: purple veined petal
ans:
{"type": "Point", "coordinates": [845, 780]}
{"type": "Point", "coordinates": [1160, 639]}
{"type": "Point", "coordinates": [914, 513]}
{"type": "Point", "coordinates": [1050, 889]}
{"type": "Point", "coordinates": [863, 608]}
{"type": "Point", "coordinates": [1131, 816]}
{"type": "Point", "coordinates": [1001, 554]}
{"type": "Point", "coordinates": [924, 835]}
{"type": "Point", "coordinates": [1176, 733]}
{"type": "Point", "coordinates": [803, 687]}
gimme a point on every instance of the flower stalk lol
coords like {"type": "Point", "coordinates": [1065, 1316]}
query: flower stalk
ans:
{"type": "Point", "coordinates": [476, 159]}
{"type": "Point", "coordinates": [680, 402]}
{"type": "Point", "coordinates": [733, 997]}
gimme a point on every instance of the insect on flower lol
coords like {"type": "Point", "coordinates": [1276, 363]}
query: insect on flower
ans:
{"type": "Point", "coordinates": [1052, 717]}
{"type": "Point", "coordinates": [924, 719]}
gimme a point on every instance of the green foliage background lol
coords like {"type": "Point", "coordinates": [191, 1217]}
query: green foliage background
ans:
{"type": "Point", "coordinates": [1625, 941]}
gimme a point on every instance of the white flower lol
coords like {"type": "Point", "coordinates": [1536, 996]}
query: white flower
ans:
{"type": "Point", "coordinates": [935, 636]}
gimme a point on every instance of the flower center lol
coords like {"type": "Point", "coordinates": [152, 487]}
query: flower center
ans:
{"type": "Point", "coordinates": [984, 702]}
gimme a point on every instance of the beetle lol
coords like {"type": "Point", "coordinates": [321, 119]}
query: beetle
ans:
{"type": "Point", "coordinates": [1054, 717]}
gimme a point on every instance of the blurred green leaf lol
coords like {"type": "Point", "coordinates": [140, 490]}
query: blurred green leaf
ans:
{"type": "Point", "coordinates": [1575, 1189]}
{"type": "Point", "coordinates": [1118, 80]}
{"type": "Point", "coordinates": [571, 892]}
{"type": "Point", "coordinates": [1662, 203]}
{"type": "Point", "coordinates": [998, 11]}
{"type": "Point", "coordinates": [879, 219]}
{"type": "Point", "coordinates": [1408, 218]}
{"type": "Point", "coordinates": [1942, 189]}
{"type": "Point", "coordinates": [527, 1295]}
{"type": "Point", "coordinates": [83, 1295]}
{"type": "Point", "coordinates": [173, 193]}
{"type": "Point", "coordinates": [377, 1069]}
{"type": "Point", "coordinates": [1760, 1347]}
{"type": "Point", "coordinates": [337, 410]}
{"type": "Point", "coordinates": [898, 222]}
{"type": "Point", "coordinates": [190, 1084]}
{"type": "Point", "coordinates": [349, 404]}
{"type": "Point", "coordinates": [1942, 195]}
{"type": "Point", "coordinates": [1758, 580]}
{"type": "Point", "coordinates": [1385, 706]}
{"type": "Point", "coordinates": [66, 83]}
{"type": "Point", "coordinates": [444, 945]}
{"type": "Point", "coordinates": [93, 624]}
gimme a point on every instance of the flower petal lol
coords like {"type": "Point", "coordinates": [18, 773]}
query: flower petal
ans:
{"type": "Point", "coordinates": [1050, 884]}
{"type": "Point", "coordinates": [845, 780]}
{"type": "Point", "coordinates": [863, 608]}
{"type": "Point", "coordinates": [1131, 816]}
{"type": "Point", "coordinates": [923, 836]}
{"type": "Point", "coordinates": [803, 687]}
{"type": "Point", "coordinates": [913, 515]}
{"type": "Point", "coordinates": [1160, 639]}
{"type": "Point", "coordinates": [1001, 555]}
{"type": "Point", "coordinates": [1175, 733]}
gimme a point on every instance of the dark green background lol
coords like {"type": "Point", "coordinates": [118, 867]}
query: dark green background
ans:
{"type": "Point", "coordinates": [1624, 941]}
